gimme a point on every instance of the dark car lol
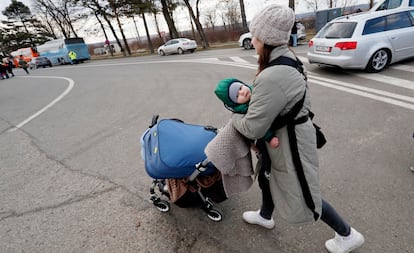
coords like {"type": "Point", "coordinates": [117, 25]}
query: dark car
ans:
{"type": "Point", "coordinates": [40, 61]}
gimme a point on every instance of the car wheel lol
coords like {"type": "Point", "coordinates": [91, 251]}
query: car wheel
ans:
{"type": "Point", "coordinates": [192, 50]}
{"type": "Point", "coordinates": [180, 50]}
{"type": "Point", "coordinates": [247, 44]}
{"type": "Point", "coordinates": [162, 53]}
{"type": "Point", "coordinates": [379, 60]}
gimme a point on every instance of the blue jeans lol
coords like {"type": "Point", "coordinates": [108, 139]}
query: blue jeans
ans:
{"type": "Point", "coordinates": [294, 40]}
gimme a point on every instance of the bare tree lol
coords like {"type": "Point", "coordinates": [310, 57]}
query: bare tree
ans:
{"type": "Point", "coordinates": [204, 40]}
{"type": "Point", "coordinates": [222, 16]}
{"type": "Point", "coordinates": [103, 29]}
{"type": "Point", "coordinates": [167, 8]}
{"type": "Point", "coordinates": [292, 4]}
{"type": "Point", "coordinates": [100, 9]}
{"type": "Point", "coordinates": [230, 12]}
{"type": "Point", "coordinates": [243, 16]}
{"type": "Point", "coordinates": [18, 11]}
{"type": "Point", "coordinates": [210, 18]}
{"type": "Point", "coordinates": [115, 7]}
{"type": "Point", "coordinates": [155, 9]}
{"type": "Point", "coordinates": [66, 10]}
{"type": "Point", "coordinates": [60, 12]}
{"type": "Point", "coordinates": [47, 21]}
{"type": "Point", "coordinates": [312, 4]}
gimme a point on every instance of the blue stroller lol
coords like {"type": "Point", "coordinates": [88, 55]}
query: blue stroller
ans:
{"type": "Point", "coordinates": [172, 149]}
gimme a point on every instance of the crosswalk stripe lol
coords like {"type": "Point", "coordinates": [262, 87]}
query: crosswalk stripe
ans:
{"type": "Point", "coordinates": [383, 96]}
{"type": "Point", "coordinates": [403, 67]}
{"type": "Point", "coordinates": [365, 94]}
{"type": "Point", "coordinates": [388, 80]}
{"type": "Point", "coordinates": [303, 59]}
{"type": "Point", "coordinates": [238, 59]}
{"type": "Point", "coordinates": [357, 87]}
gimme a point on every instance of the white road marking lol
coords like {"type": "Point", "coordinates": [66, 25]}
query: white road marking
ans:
{"type": "Point", "coordinates": [350, 87]}
{"type": "Point", "coordinates": [68, 89]}
{"type": "Point", "coordinates": [238, 59]}
{"type": "Point", "coordinates": [403, 67]}
{"type": "Point", "coordinates": [303, 59]}
{"type": "Point", "coordinates": [346, 87]}
{"type": "Point", "coordinates": [353, 86]}
{"type": "Point", "coordinates": [388, 80]}
{"type": "Point", "coordinates": [365, 94]}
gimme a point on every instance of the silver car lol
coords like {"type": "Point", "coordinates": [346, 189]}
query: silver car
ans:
{"type": "Point", "coordinates": [245, 40]}
{"type": "Point", "coordinates": [39, 61]}
{"type": "Point", "coordinates": [177, 46]}
{"type": "Point", "coordinates": [369, 41]}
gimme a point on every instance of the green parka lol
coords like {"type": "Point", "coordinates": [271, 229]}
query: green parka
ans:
{"type": "Point", "coordinates": [275, 91]}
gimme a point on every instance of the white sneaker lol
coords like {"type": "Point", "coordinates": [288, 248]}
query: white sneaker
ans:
{"type": "Point", "coordinates": [254, 217]}
{"type": "Point", "coordinates": [345, 244]}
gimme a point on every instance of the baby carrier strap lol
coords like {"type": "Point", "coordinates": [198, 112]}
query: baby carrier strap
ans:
{"type": "Point", "coordinates": [283, 60]}
{"type": "Point", "coordinates": [289, 120]}
{"type": "Point", "coordinates": [282, 120]}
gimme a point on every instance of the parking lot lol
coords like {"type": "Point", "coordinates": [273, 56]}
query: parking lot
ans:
{"type": "Point", "coordinates": [72, 179]}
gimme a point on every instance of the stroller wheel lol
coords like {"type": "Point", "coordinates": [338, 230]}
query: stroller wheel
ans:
{"type": "Point", "coordinates": [163, 206]}
{"type": "Point", "coordinates": [214, 215]}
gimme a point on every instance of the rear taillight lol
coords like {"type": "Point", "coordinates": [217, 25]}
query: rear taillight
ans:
{"type": "Point", "coordinates": [346, 45]}
{"type": "Point", "coordinates": [310, 44]}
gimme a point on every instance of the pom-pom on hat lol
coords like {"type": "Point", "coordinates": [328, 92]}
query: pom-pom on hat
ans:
{"type": "Point", "coordinates": [273, 24]}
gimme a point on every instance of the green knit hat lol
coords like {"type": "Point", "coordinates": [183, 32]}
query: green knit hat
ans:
{"type": "Point", "coordinates": [223, 93]}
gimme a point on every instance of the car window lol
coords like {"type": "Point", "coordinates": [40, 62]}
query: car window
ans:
{"type": "Point", "coordinates": [374, 25]}
{"type": "Point", "coordinates": [411, 3]}
{"type": "Point", "coordinates": [337, 30]}
{"type": "Point", "coordinates": [389, 4]}
{"type": "Point", "coordinates": [398, 20]}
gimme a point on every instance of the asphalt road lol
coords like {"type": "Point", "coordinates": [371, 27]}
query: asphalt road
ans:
{"type": "Point", "coordinates": [72, 180]}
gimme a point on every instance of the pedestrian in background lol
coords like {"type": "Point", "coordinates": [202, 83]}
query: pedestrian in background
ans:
{"type": "Point", "coordinates": [72, 55]}
{"type": "Point", "coordinates": [3, 71]}
{"type": "Point", "coordinates": [293, 185]}
{"type": "Point", "coordinates": [23, 64]}
{"type": "Point", "coordinates": [294, 34]}
{"type": "Point", "coordinates": [9, 65]}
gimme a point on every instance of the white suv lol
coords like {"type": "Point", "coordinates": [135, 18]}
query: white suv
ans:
{"type": "Point", "coordinates": [369, 41]}
{"type": "Point", "coordinates": [392, 4]}
{"type": "Point", "coordinates": [246, 38]}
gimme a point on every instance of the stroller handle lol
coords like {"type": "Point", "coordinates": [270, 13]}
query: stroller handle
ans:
{"type": "Point", "coordinates": [200, 167]}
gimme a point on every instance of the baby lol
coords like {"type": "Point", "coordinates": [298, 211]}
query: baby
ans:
{"type": "Point", "coordinates": [236, 96]}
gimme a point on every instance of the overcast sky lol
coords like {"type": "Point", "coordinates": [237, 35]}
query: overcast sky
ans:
{"type": "Point", "coordinates": [91, 31]}
{"type": "Point", "coordinates": [248, 3]}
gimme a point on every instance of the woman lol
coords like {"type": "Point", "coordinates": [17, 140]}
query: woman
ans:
{"type": "Point", "coordinates": [293, 182]}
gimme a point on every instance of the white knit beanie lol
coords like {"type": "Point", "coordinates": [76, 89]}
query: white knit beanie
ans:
{"type": "Point", "coordinates": [273, 24]}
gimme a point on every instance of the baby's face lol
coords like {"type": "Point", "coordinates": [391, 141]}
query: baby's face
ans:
{"type": "Point", "coordinates": [243, 96]}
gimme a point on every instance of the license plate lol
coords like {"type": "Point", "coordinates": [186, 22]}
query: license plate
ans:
{"type": "Point", "coordinates": [323, 49]}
